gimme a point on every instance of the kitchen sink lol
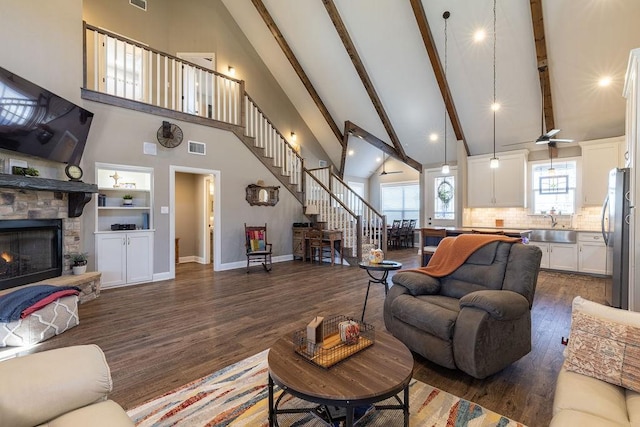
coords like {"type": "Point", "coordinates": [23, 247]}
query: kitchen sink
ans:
{"type": "Point", "coordinates": [551, 235]}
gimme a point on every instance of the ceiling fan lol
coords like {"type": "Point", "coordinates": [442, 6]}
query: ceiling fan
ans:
{"type": "Point", "coordinates": [384, 172]}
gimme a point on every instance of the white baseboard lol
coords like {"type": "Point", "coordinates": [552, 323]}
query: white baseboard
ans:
{"type": "Point", "coordinates": [243, 264]}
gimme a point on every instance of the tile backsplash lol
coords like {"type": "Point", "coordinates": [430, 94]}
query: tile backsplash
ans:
{"type": "Point", "coordinates": [585, 219]}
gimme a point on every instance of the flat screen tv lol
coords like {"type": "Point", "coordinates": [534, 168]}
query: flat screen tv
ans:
{"type": "Point", "coordinates": [39, 123]}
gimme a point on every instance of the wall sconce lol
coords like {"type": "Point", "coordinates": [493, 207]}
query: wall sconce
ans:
{"type": "Point", "coordinates": [232, 71]}
{"type": "Point", "coordinates": [294, 137]}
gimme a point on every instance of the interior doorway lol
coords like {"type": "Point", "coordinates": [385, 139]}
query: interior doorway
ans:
{"type": "Point", "coordinates": [194, 236]}
{"type": "Point", "coordinates": [441, 207]}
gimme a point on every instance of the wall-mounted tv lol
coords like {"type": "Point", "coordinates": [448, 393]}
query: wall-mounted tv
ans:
{"type": "Point", "coordinates": [39, 123]}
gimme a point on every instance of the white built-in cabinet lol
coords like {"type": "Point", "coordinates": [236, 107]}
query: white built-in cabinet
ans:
{"type": "Point", "coordinates": [124, 256]}
{"type": "Point", "coordinates": [632, 94]}
{"type": "Point", "coordinates": [505, 186]}
{"type": "Point", "coordinates": [598, 158]}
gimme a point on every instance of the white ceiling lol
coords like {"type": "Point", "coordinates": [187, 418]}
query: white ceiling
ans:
{"type": "Point", "coordinates": [585, 40]}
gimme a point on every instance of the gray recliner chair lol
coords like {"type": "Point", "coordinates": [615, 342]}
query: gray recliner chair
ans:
{"type": "Point", "coordinates": [478, 318]}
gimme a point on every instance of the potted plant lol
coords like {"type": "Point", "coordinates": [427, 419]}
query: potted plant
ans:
{"type": "Point", "coordinates": [127, 199]}
{"type": "Point", "coordinates": [78, 262]}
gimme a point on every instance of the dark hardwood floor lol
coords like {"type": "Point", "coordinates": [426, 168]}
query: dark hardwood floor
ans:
{"type": "Point", "coordinates": [161, 335]}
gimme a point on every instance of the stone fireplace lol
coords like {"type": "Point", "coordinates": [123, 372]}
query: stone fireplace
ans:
{"type": "Point", "coordinates": [37, 205]}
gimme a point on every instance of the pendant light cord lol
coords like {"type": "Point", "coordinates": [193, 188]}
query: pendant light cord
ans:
{"type": "Point", "coordinates": [446, 17]}
{"type": "Point", "coordinates": [494, 79]}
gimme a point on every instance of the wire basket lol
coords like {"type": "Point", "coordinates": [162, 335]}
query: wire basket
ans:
{"type": "Point", "coordinates": [333, 349]}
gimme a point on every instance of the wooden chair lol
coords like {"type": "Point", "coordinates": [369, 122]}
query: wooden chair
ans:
{"type": "Point", "coordinates": [393, 237]}
{"type": "Point", "coordinates": [257, 247]}
{"type": "Point", "coordinates": [428, 248]}
{"type": "Point", "coordinates": [318, 244]}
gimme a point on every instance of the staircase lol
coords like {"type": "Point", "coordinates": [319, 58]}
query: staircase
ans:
{"type": "Point", "coordinates": [128, 74]}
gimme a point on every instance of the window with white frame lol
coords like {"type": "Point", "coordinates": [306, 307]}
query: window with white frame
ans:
{"type": "Point", "coordinates": [400, 201]}
{"type": "Point", "coordinates": [554, 188]}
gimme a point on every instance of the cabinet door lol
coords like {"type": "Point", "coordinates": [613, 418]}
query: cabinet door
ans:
{"type": "Point", "coordinates": [544, 247]}
{"type": "Point", "coordinates": [111, 258]}
{"type": "Point", "coordinates": [563, 256]}
{"type": "Point", "coordinates": [479, 183]}
{"type": "Point", "coordinates": [597, 161]}
{"type": "Point", "coordinates": [509, 182]}
{"type": "Point", "coordinates": [139, 257]}
{"type": "Point", "coordinates": [592, 258]}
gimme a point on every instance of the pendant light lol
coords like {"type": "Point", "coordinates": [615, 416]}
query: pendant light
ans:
{"type": "Point", "coordinates": [494, 162]}
{"type": "Point", "coordinates": [445, 165]}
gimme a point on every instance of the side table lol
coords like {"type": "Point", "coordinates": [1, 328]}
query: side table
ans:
{"type": "Point", "coordinates": [385, 267]}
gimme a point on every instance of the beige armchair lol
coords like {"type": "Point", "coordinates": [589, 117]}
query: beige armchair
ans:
{"type": "Point", "coordinates": [57, 388]}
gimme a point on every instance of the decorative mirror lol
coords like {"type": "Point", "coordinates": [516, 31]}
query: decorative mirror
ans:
{"type": "Point", "coordinates": [259, 195]}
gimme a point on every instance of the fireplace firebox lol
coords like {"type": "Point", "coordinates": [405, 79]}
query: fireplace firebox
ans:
{"type": "Point", "coordinates": [30, 251]}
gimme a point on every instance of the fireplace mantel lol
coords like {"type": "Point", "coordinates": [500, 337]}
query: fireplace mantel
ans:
{"type": "Point", "coordinates": [79, 192]}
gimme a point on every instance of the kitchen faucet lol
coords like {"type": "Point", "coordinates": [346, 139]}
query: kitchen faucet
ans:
{"type": "Point", "coordinates": [554, 221]}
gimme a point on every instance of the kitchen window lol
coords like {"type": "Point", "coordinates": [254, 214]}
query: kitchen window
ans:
{"type": "Point", "coordinates": [554, 187]}
{"type": "Point", "coordinates": [400, 201]}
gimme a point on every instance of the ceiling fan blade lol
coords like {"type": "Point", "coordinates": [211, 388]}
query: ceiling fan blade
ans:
{"type": "Point", "coordinates": [560, 140]}
{"type": "Point", "coordinates": [542, 140]}
{"type": "Point", "coordinates": [551, 133]}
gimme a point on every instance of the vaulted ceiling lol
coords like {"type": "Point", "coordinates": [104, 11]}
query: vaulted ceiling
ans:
{"type": "Point", "coordinates": [376, 68]}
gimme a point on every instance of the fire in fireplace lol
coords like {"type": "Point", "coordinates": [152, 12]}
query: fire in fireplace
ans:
{"type": "Point", "coordinates": [30, 251]}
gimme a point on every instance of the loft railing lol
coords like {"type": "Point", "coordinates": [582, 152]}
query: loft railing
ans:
{"type": "Point", "coordinates": [129, 69]}
{"type": "Point", "coordinates": [374, 224]}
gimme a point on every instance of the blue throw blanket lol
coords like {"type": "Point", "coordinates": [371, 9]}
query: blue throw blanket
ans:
{"type": "Point", "coordinates": [12, 305]}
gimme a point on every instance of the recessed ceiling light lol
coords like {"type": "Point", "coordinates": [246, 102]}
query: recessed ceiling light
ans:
{"type": "Point", "coordinates": [351, 152]}
{"type": "Point", "coordinates": [604, 81]}
{"type": "Point", "coordinates": [495, 107]}
{"type": "Point", "coordinates": [479, 35]}
{"type": "Point", "coordinates": [433, 137]}
{"type": "Point", "coordinates": [378, 159]}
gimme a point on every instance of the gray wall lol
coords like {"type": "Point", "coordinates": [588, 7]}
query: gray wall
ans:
{"type": "Point", "coordinates": [44, 45]}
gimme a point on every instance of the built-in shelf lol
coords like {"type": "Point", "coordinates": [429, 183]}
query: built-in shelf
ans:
{"type": "Point", "coordinates": [79, 192]}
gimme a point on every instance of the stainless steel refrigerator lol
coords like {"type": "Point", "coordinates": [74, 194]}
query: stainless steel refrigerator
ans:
{"type": "Point", "coordinates": [615, 230]}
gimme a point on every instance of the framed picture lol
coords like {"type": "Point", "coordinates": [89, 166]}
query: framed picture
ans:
{"type": "Point", "coordinates": [557, 184]}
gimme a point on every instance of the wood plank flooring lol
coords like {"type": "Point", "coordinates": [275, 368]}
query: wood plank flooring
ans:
{"type": "Point", "coordinates": [161, 335]}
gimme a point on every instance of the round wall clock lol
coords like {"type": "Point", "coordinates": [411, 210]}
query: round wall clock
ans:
{"type": "Point", "coordinates": [169, 135]}
{"type": "Point", "coordinates": [73, 172]}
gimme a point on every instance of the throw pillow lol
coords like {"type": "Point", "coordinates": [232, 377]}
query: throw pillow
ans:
{"type": "Point", "coordinates": [604, 343]}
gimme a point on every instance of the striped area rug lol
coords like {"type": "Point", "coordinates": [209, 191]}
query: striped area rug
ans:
{"type": "Point", "coordinates": [238, 396]}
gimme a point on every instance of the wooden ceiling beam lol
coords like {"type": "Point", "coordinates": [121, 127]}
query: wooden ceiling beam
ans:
{"type": "Point", "coordinates": [438, 70]}
{"type": "Point", "coordinates": [364, 76]}
{"type": "Point", "coordinates": [353, 129]}
{"type": "Point", "coordinates": [286, 49]}
{"type": "Point", "coordinates": [542, 61]}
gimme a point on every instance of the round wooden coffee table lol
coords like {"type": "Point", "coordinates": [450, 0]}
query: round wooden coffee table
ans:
{"type": "Point", "coordinates": [376, 373]}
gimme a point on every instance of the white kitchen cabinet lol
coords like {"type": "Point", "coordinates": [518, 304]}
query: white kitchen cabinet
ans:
{"type": "Point", "coordinates": [124, 257]}
{"type": "Point", "coordinates": [544, 247]}
{"type": "Point", "coordinates": [598, 158]}
{"type": "Point", "coordinates": [558, 256]}
{"type": "Point", "coordinates": [592, 253]}
{"type": "Point", "coordinates": [504, 186]}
